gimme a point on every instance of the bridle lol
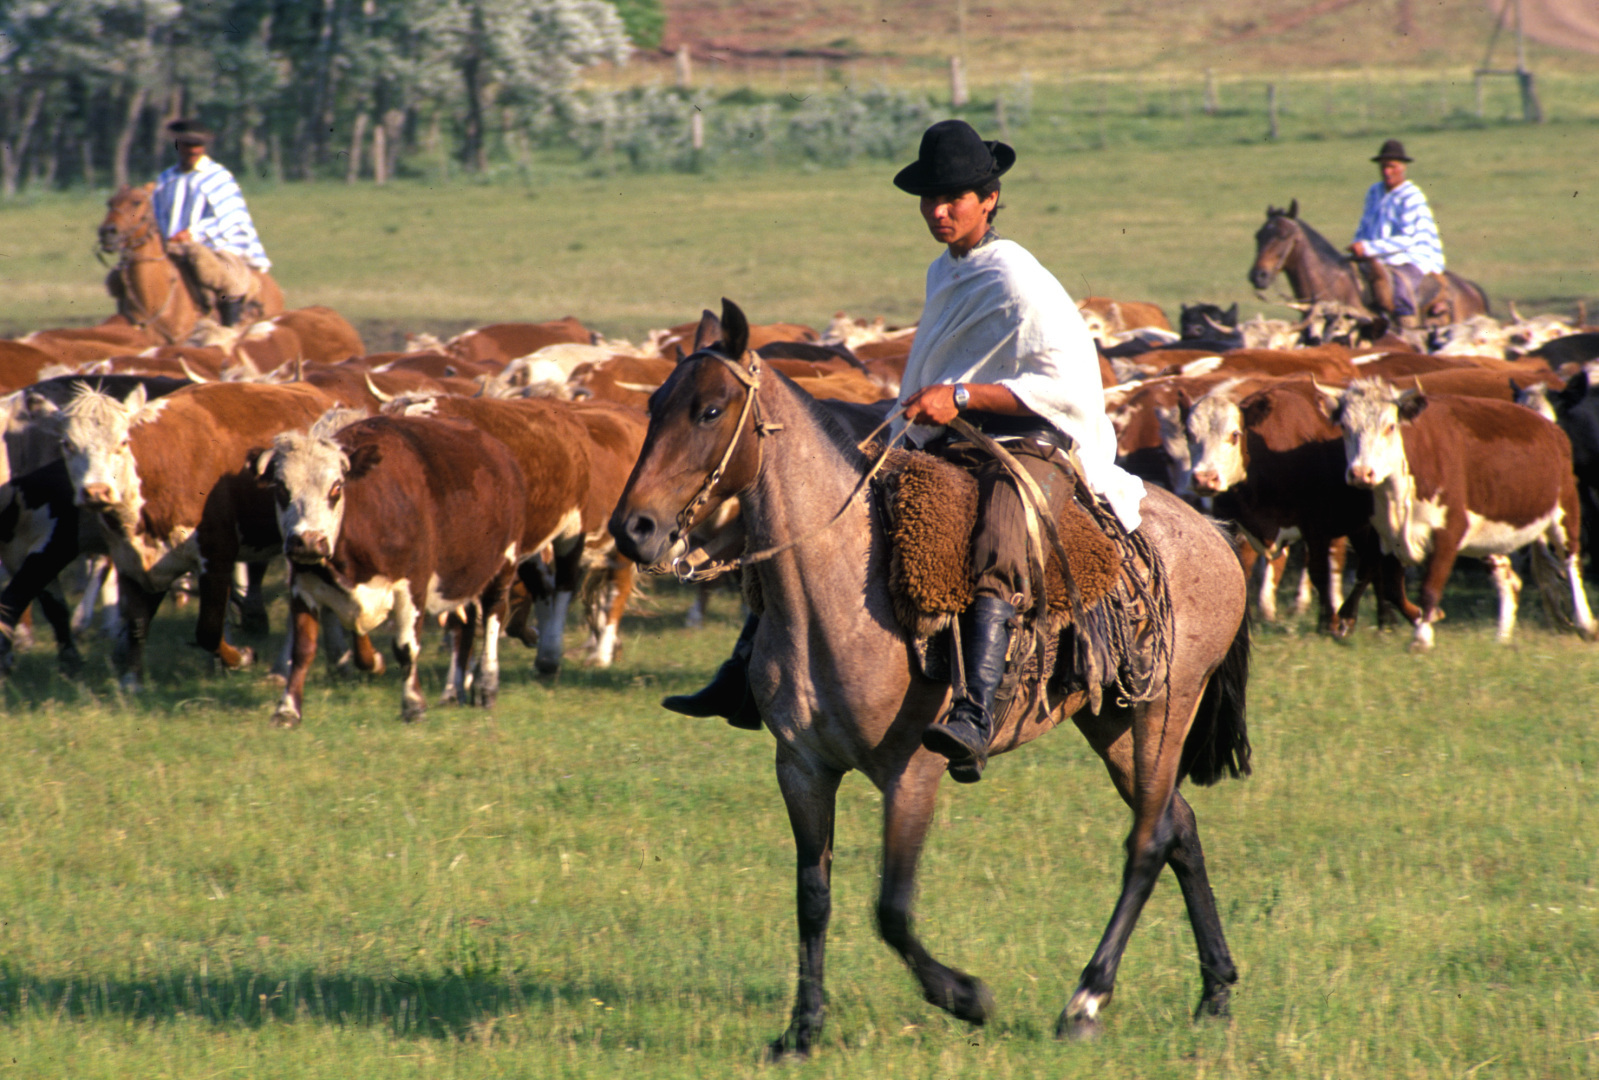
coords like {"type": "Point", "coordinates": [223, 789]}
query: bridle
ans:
{"type": "Point", "coordinates": [127, 245]}
{"type": "Point", "coordinates": [679, 560]}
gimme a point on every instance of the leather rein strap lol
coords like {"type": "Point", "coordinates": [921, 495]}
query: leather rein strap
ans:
{"type": "Point", "coordinates": [683, 564]}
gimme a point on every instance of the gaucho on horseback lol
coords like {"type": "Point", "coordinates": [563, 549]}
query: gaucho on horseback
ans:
{"type": "Point", "coordinates": [1002, 354]}
{"type": "Point", "coordinates": [1397, 242]}
{"type": "Point", "coordinates": [206, 225]}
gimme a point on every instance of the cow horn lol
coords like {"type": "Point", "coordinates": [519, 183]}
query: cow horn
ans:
{"type": "Point", "coordinates": [192, 375]}
{"type": "Point", "coordinates": [383, 399]}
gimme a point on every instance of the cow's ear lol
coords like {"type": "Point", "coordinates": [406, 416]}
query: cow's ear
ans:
{"type": "Point", "coordinates": [677, 353]}
{"type": "Point", "coordinates": [136, 399]}
{"type": "Point", "coordinates": [735, 330]}
{"type": "Point", "coordinates": [1330, 400]}
{"type": "Point", "coordinates": [1293, 208]}
{"type": "Point", "coordinates": [363, 459]}
{"type": "Point", "coordinates": [35, 405]}
{"type": "Point", "coordinates": [708, 333]}
{"type": "Point", "coordinates": [1255, 410]}
{"type": "Point", "coordinates": [1185, 405]}
{"type": "Point", "coordinates": [1410, 403]}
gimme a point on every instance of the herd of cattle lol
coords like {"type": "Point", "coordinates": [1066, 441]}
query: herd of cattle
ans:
{"type": "Point", "coordinates": [472, 479]}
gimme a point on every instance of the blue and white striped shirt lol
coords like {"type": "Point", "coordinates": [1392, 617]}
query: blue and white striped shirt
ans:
{"type": "Point", "coordinates": [1397, 227]}
{"type": "Point", "coordinates": [207, 202]}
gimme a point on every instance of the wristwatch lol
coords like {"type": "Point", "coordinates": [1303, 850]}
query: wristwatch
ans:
{"type": "Point", "coordinates": [963, 397]}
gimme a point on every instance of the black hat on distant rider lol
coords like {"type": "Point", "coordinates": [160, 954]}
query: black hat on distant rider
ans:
{"type": "Point", "coordinates": [954, 158]}
{"type": "Point", "coordinates": [1392, 150]}
{"type": "Point", "coordinates": [190, 133]}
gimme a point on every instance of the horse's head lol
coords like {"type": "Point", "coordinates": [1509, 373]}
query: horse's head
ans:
{"type": "Point", "coordinates": [1273, 243]}
{"type": "Point", "coordinates": [701, 448]}
{"type": "Point", "coordinates": [129, 221]}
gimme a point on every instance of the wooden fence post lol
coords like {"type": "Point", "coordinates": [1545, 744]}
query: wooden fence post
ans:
{"type": "Point", "coordinates": [1271, 111]}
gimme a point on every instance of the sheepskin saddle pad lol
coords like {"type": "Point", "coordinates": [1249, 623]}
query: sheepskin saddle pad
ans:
{"type": "Point", "coordinates": [931, 510]}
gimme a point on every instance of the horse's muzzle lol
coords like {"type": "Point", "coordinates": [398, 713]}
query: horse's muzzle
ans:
{"type": "Point", "coordinates": [1259, 279]}
{"type": "Point", "coordinates": [640, 535]}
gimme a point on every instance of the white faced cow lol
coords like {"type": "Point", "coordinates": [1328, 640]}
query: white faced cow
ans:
{"type": "Point", "coordinates": [1456, 476]}
{"type": "Point", "coordinates": [395, 515]}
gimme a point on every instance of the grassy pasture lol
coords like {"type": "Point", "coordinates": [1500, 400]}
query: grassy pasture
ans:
{"type": "Point", "coordinates": [1167, 221]}
{"type": "Point", "coordinates": [577, 884]}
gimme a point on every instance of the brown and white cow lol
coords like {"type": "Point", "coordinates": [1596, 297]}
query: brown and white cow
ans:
{"type": "Point", "coordinates": [1274, 464]}
{"type": "Point", "coordinates": [395, 515]}
{"type": "Point", "coordinates": [1453, 476]}
{"type": "Point", "coordinates": [168, 481]}
{"type": "Point", "coordinates": [552, 449]}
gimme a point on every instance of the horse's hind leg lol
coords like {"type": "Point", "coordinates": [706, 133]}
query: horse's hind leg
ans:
{"type": "Point", "coordinates": [809, 791]}
{"type": "Point", "coordinates": [1143, 757]}
{"type": "Point", "coordinates": [907, 811]}
{"type": "Point", "coordinates": [1187, 860]}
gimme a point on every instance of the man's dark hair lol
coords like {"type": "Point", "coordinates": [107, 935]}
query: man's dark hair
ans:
{"type": "Point", "coordinates": [984, 192]}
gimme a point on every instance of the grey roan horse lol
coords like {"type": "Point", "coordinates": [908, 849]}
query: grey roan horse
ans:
{"type": "Point", "coordinates": [833, 676]}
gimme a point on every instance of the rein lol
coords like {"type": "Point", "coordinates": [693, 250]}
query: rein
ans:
{"type": "Point", "coordinates": [128, 258]}
{"type": "Point", "coordinates": [683, 565]}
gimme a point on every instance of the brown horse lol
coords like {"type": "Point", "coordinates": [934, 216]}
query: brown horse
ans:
{"type": "Point", "coordinates": [150, 287]}
{"type": "Point", "coordinates": [832, 675]}
{"type": "Point", "coordinates": [1317, 272]}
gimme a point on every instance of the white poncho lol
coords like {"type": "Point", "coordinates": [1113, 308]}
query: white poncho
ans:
{"type": "Point", "coordinates": [997, 316]}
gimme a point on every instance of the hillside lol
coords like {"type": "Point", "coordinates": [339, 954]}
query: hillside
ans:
{"type": "Point", "coordinates": [1050, 37]}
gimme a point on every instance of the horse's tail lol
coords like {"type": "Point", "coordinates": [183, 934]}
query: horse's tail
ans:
{"type": "Point", "coordinates": [1219, 737]}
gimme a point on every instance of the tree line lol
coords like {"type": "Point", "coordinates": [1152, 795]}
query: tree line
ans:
{"type": "Point", "coordinates": [293, 88]}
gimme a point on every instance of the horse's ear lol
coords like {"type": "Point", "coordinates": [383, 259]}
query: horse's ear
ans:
{"type": "Point", "coordinates": [677, 352]}
{"type": "Point", "coordinates": [708, 333]}
{"type": "Point", "coordinates": [148, 189]}
{"type": "Point", "coordinates": [1293, 209]}
{"type": "Point", "coordinates": [735, 330]}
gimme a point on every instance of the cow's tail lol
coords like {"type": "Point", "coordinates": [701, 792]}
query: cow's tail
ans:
{"type": "Point", "coordinates": [1218, 741]}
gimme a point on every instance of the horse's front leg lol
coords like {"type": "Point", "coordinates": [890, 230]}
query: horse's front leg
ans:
{"type": "Point", "coordinates": [908, 801]}
{"type": "Point", "coordinates": [809, 791]}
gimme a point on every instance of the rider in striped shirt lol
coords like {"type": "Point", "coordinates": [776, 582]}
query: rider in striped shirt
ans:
{"type": "Point", "coordinates": [202, 216]}
{"type": "Point", "coordinates": [1397, 229]}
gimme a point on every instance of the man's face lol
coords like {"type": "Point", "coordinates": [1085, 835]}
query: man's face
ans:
{"type": "Point", "coordinates": [189, 154]}
{"type": "Point", "coordinates": [1393, 173]}
{"type": "Point", "coordinates": [958, 220]}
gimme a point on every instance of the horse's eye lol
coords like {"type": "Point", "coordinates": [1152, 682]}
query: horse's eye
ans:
{"type": "Point", "coordinates": [711, 413]}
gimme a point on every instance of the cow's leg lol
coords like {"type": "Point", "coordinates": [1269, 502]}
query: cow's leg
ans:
{"type": "Point", "coordinates": [252, 605]}
{"type": "Point", "coordinates": [217, 583]}
{"type": "Point", "coordinates": [552, 622]}
{"type": "Point", "coordinates": [1337, 563]}
{"type": "Point", "coordinates": [521, 606]}
{"type": "Point", "coordinates": [364, 656]}
{"type": "Point", "coordinates": [810, 793]}
{"type": "Point", "coordinates": [302, 641]}
{"type": "Point", "coordinates": [493, 604]}
{"type": "Point", "coordinates": [138, 607]}
{"type": "Point", "coordinates": [96, 568]}
{"type": "Point", "coordinates": [1435, 574]}
{"type": "Point", "coordinates": [111, 602]}
{"type": "Point", "coordinates": [53, 603]}
{"type": "Point", "coordinates": [1271, 575]}
{"type": "Point", "coordinates": [1507, 586]}
{"type": "Point", "coordinates": [610, 605]}
{"type": "Point", "coordinates": [407, 651]}
{"type": "Point", "coordinates": [459, 629]}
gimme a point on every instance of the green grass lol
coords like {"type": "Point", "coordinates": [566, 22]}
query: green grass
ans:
{"type": "Point", "coordinates": [626, 252]}
{"type": "Point", "coordinates": [578, 884]}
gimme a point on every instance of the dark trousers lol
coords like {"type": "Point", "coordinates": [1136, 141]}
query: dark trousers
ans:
{"type": "Point", "coordinates": [999, 542]}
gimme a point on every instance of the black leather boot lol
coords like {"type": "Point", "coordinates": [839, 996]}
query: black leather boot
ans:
{"type": "Point", "coordinates": [230, 310]}
{"type": "Point", "coordinates": [728, 694]}
{"type": "Point", "coordinates": [964, 734]}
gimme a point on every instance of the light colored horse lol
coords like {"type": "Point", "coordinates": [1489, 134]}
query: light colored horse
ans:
{"type": "Point", "coordinates": [150, 288]}
{"type": "Point", "coordinates": [832, 675]}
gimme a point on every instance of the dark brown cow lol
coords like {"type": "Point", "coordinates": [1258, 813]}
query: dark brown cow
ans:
{"type": "Point", "coordinates": [1275, 465]}
{"type": "Point", "coordinates": [551, 447]}
{"type": "Point", "coordinates": [168, 482]}
{"type": "Point", "coordinates": [400, 515]}
{"type": "Point", "coordinates": [1455, 476]}
{"type": "Point", "coordinates": [500, 343]}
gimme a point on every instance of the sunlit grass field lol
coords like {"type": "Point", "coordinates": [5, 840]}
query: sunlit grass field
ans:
{"type": "Point", "coordinates": [579, 884]}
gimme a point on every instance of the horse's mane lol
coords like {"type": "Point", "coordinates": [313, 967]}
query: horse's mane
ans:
{"type": "Point", "coordinates": [842, 440]}
{"type": "Point", "coordinates": [1320, 244]}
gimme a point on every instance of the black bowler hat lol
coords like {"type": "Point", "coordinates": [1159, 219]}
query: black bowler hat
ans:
{"type": "Point", "coordinates": [190, 133]}
{"type": "Point", "coordinates": [1392, 150]}
{"type": "Point", "coordinates": [954, 158]}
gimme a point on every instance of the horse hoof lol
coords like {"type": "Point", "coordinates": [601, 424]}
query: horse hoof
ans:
{"type": "Point", "coordinates": [778, 1050]}
{"type": "Point", "coordinates": [412, 711]}
{"type": "Point", "coordinates": [1080, 1021]}
{"type": "Point", "coordinates": [70, 662]}
{"type": "Point", "coordinates": [285, 717]}
{"type": "Point", "coordinates": [1214, 1003]}
{"type": "Point", "coordinates": [965, 998]}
